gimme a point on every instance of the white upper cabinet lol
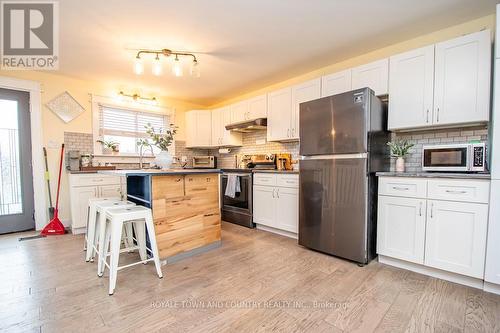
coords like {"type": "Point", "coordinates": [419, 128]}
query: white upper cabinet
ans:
{"type": "Point", "coordinates": [198, 128]}
{"type": "Point", "coordinates": [411, 91]}
{"type": "Point", "coordinates": [336, 83]}
{"type": "Point", "coordinates": [462, 79]}
{"type": "Point", "coordinates": [257, 107]}
{"type": "Point", "coordinates": [220, 136]}
{"type": "Point", "coordinates": [374, 75]}
{"type": "Point", "coordinates": [301, 93]}
{"type": "Point", "coordinates": [239, 111]}
{"type": "Point", "coordinates": [279, 114]}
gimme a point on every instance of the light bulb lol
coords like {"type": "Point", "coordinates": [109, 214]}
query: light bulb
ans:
{"type": "Point", "coordinates": [195, 68]}
{"type": "Point", "coordinates": [157, 69]}
{"type": "Point", "coordinates": [177, 67]}
{"type": "Point", "coordinates": [138, 66]}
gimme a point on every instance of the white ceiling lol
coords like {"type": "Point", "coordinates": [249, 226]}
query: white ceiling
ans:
{"type": "Point", "coordinates": [242, 44]}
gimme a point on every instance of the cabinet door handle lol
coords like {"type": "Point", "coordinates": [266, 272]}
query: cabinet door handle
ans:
{"type": "Point", "coordinates": [437, 116]}
{"type": "Point", "coordinates": [456, 192]}
{"type": "Point", "coordinates": [420, 209]}
{"type": "Point", "coordinates": [288, 133]}
{"type": "Point", "coordinates": [278, 193]}
{"type": "Point", "coordinates": [273, 193]}
{"type": "Point", "coordinates": [400, 188]}
{"type": "Point", "coordinates": [432, 210]}
{"type": "Point", "coordinates": [427, 120]}
{"type": "Point", "coordinates": [208, 180]}
{"type": "Point", "coordinates": [177, 180]}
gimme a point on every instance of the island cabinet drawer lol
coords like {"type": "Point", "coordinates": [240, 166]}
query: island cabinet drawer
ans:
{"type": "Point", "coordinates": [285, 180]}
{"type": "Point", "coordinates": [168, 187]}
{"type": "Point", "coordinates": [403, 187]}
{"type": "Point", "coordinates": [459, 190]}
{"type": "Point", "coordinates": [265, 179]}
{"type": "Point", "coordinates": [201, 184]}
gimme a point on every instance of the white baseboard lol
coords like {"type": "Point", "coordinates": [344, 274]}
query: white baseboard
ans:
{"type": "Point", "coordinates": [434, 272]}
{"type": "Point", "coordinates": [491, 288]}
{"type": "Point", "coordinates": [277, 231]}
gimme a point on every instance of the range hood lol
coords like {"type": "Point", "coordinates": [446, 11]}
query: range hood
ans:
{"type": "Point", "coordinates": [248, 125]}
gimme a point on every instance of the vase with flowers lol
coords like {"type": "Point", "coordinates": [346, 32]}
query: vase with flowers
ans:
{"type": "Point", "coordinates": [400, 149]}
{"type": "Point", "coordinates": [162, 139]}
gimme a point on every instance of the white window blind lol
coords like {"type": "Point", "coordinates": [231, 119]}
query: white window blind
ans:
{"type": "Point", "coordinates": [121, 122]}
{"type": "Point", "coordinates": [125, 127]}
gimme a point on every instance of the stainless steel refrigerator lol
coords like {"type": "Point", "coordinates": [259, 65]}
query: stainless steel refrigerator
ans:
{"type": "Point", "coordinates": [342, 144]}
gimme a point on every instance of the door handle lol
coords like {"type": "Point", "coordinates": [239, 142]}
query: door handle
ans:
{"type": "Point", "coordinates": [278, 193]}
{"type": "Point", "coordinates": [420, 209]}
{"type": "Point", "coordinates": [456, 192]}
{"type": "Point", "coordinates": [288, 133]}
{"type": "Point", "coordinates": [437, 116]}
{"type": "Point", "coordinates": [400, 188]}
{"type": "Point", "coordinates": [427, 120]}
{"type": "Point", "coordinates": [273, 193]}
{"type": "Point", "coordinates": [432, 210]}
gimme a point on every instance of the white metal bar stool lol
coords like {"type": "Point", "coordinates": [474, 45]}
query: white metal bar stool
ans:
{"type": "Point", "coordinates": [114, 220]}
{"type": "Point", "coordinates": [96, 208]}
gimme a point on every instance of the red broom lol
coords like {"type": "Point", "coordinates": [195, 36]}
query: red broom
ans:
{"type": "Point", "coordinates": [55, 227]}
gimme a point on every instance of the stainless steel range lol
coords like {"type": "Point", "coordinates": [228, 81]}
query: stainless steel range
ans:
{"type": "Point", "coordinates": [237, 207]}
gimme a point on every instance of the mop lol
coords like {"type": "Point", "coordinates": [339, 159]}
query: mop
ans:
{"type": "Point", "coordinates": [55, 227]}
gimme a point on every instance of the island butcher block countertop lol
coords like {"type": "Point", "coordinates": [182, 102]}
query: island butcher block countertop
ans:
{"type": "Point", "coordinates": [185, 205]}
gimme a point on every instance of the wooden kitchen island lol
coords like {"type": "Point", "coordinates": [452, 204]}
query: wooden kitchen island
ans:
{"type": "Point", "coordinates": [185, 205]}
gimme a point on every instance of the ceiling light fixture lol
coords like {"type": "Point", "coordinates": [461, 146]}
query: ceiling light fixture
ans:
{"type": "Point", "coordinates": [138, 98]}
{"type": "Point", "coordinates": [157, 69]}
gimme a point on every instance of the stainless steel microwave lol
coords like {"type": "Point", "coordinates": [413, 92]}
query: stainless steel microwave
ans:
{"type": "Point", "coordinates": [204, 162]}
{"type": "Point", "coordinates": [460, 157]}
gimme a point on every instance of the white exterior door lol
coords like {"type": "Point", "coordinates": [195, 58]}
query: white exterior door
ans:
{"type": "Point", "coordinates": [462, 79]}
{"type": "Point", "coordinates": [301, 93]}
{"type": "Point", "coordinates": [264, 205]}
{"type": "Point", "coordinates": [411, 91]}
{"type": "Point", "coordinates": [401, 228]}
{"type": "Point", "coordinates": [257, 107]}
{"type": "Point", "coordinates": [336, 83]}
{"type": "Point", "coordinates": [456, 237]}
{"type": "Point", "coordinates": [279, 114]}
{"type": "Point", "coordinates": [79, 204]}
{"type": "Point", "coordinates": [374, 75]}
{"type": "Point", "coordinates": [287, 209]}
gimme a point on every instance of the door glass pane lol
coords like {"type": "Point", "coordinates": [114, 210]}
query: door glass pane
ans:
{"type": "Point", "coordinates": [10, 171]}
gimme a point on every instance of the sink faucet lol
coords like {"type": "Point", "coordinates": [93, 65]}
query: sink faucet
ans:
{"type": "Point", "coordinates": [142, 145]}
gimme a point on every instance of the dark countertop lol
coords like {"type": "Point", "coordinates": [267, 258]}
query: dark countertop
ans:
{"type": "Point", "coordinates": [157, 172]}
{"type": "Point", "coordinates": [456, 175]}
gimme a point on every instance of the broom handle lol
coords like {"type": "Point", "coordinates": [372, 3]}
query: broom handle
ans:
{"type": "Point", "coordinates": [59, 179]}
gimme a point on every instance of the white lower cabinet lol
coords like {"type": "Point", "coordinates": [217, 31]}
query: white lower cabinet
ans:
{"type": "Point", "coordinates": [401, 228]}
{"type": "Point", "coordinates": [275, 206]}
{"type": "Point", "coordinates": [87, 186]}
{"type": "Point", "coordinates": [455, 239]}
{"type": "Point", "coordinates": [447, 236]}
{"type": "Point", "coordinates": [264, 205]}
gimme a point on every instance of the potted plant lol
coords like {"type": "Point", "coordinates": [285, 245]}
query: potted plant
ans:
{"type": "Point", "coordinates": [162, 140]}
{"type": "Point", "coordinates": [109, 147]}
{"type": "Point", "coordinates": [400, 149]}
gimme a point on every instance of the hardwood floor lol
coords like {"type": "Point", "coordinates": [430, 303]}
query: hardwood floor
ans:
{"type": "Point", "coordinates": [255, 282]}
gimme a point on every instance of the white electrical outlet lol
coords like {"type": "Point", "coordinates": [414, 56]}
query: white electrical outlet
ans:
{"type": "Point", "coordinates": [53, 144]}
{"type": "Point", "coordinates": [260, 141]}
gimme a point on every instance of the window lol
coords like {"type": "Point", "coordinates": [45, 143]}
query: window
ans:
{"type": "Point", "coordinates": [127, 126]}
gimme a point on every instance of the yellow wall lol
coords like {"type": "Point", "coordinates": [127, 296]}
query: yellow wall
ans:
{"type": "Point", "coordinates": [486, 22]}
{"type": "Point", "coordinates": [54, 127]}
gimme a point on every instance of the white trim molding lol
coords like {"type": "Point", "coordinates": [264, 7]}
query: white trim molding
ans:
{"type": "Point", "coordinates": [39, 188]}
{"type": "Point", "coordinates": [97, 101]}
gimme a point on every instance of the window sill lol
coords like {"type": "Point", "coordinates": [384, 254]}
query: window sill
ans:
{"type": "Point", "coordinates": [123, 155]}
